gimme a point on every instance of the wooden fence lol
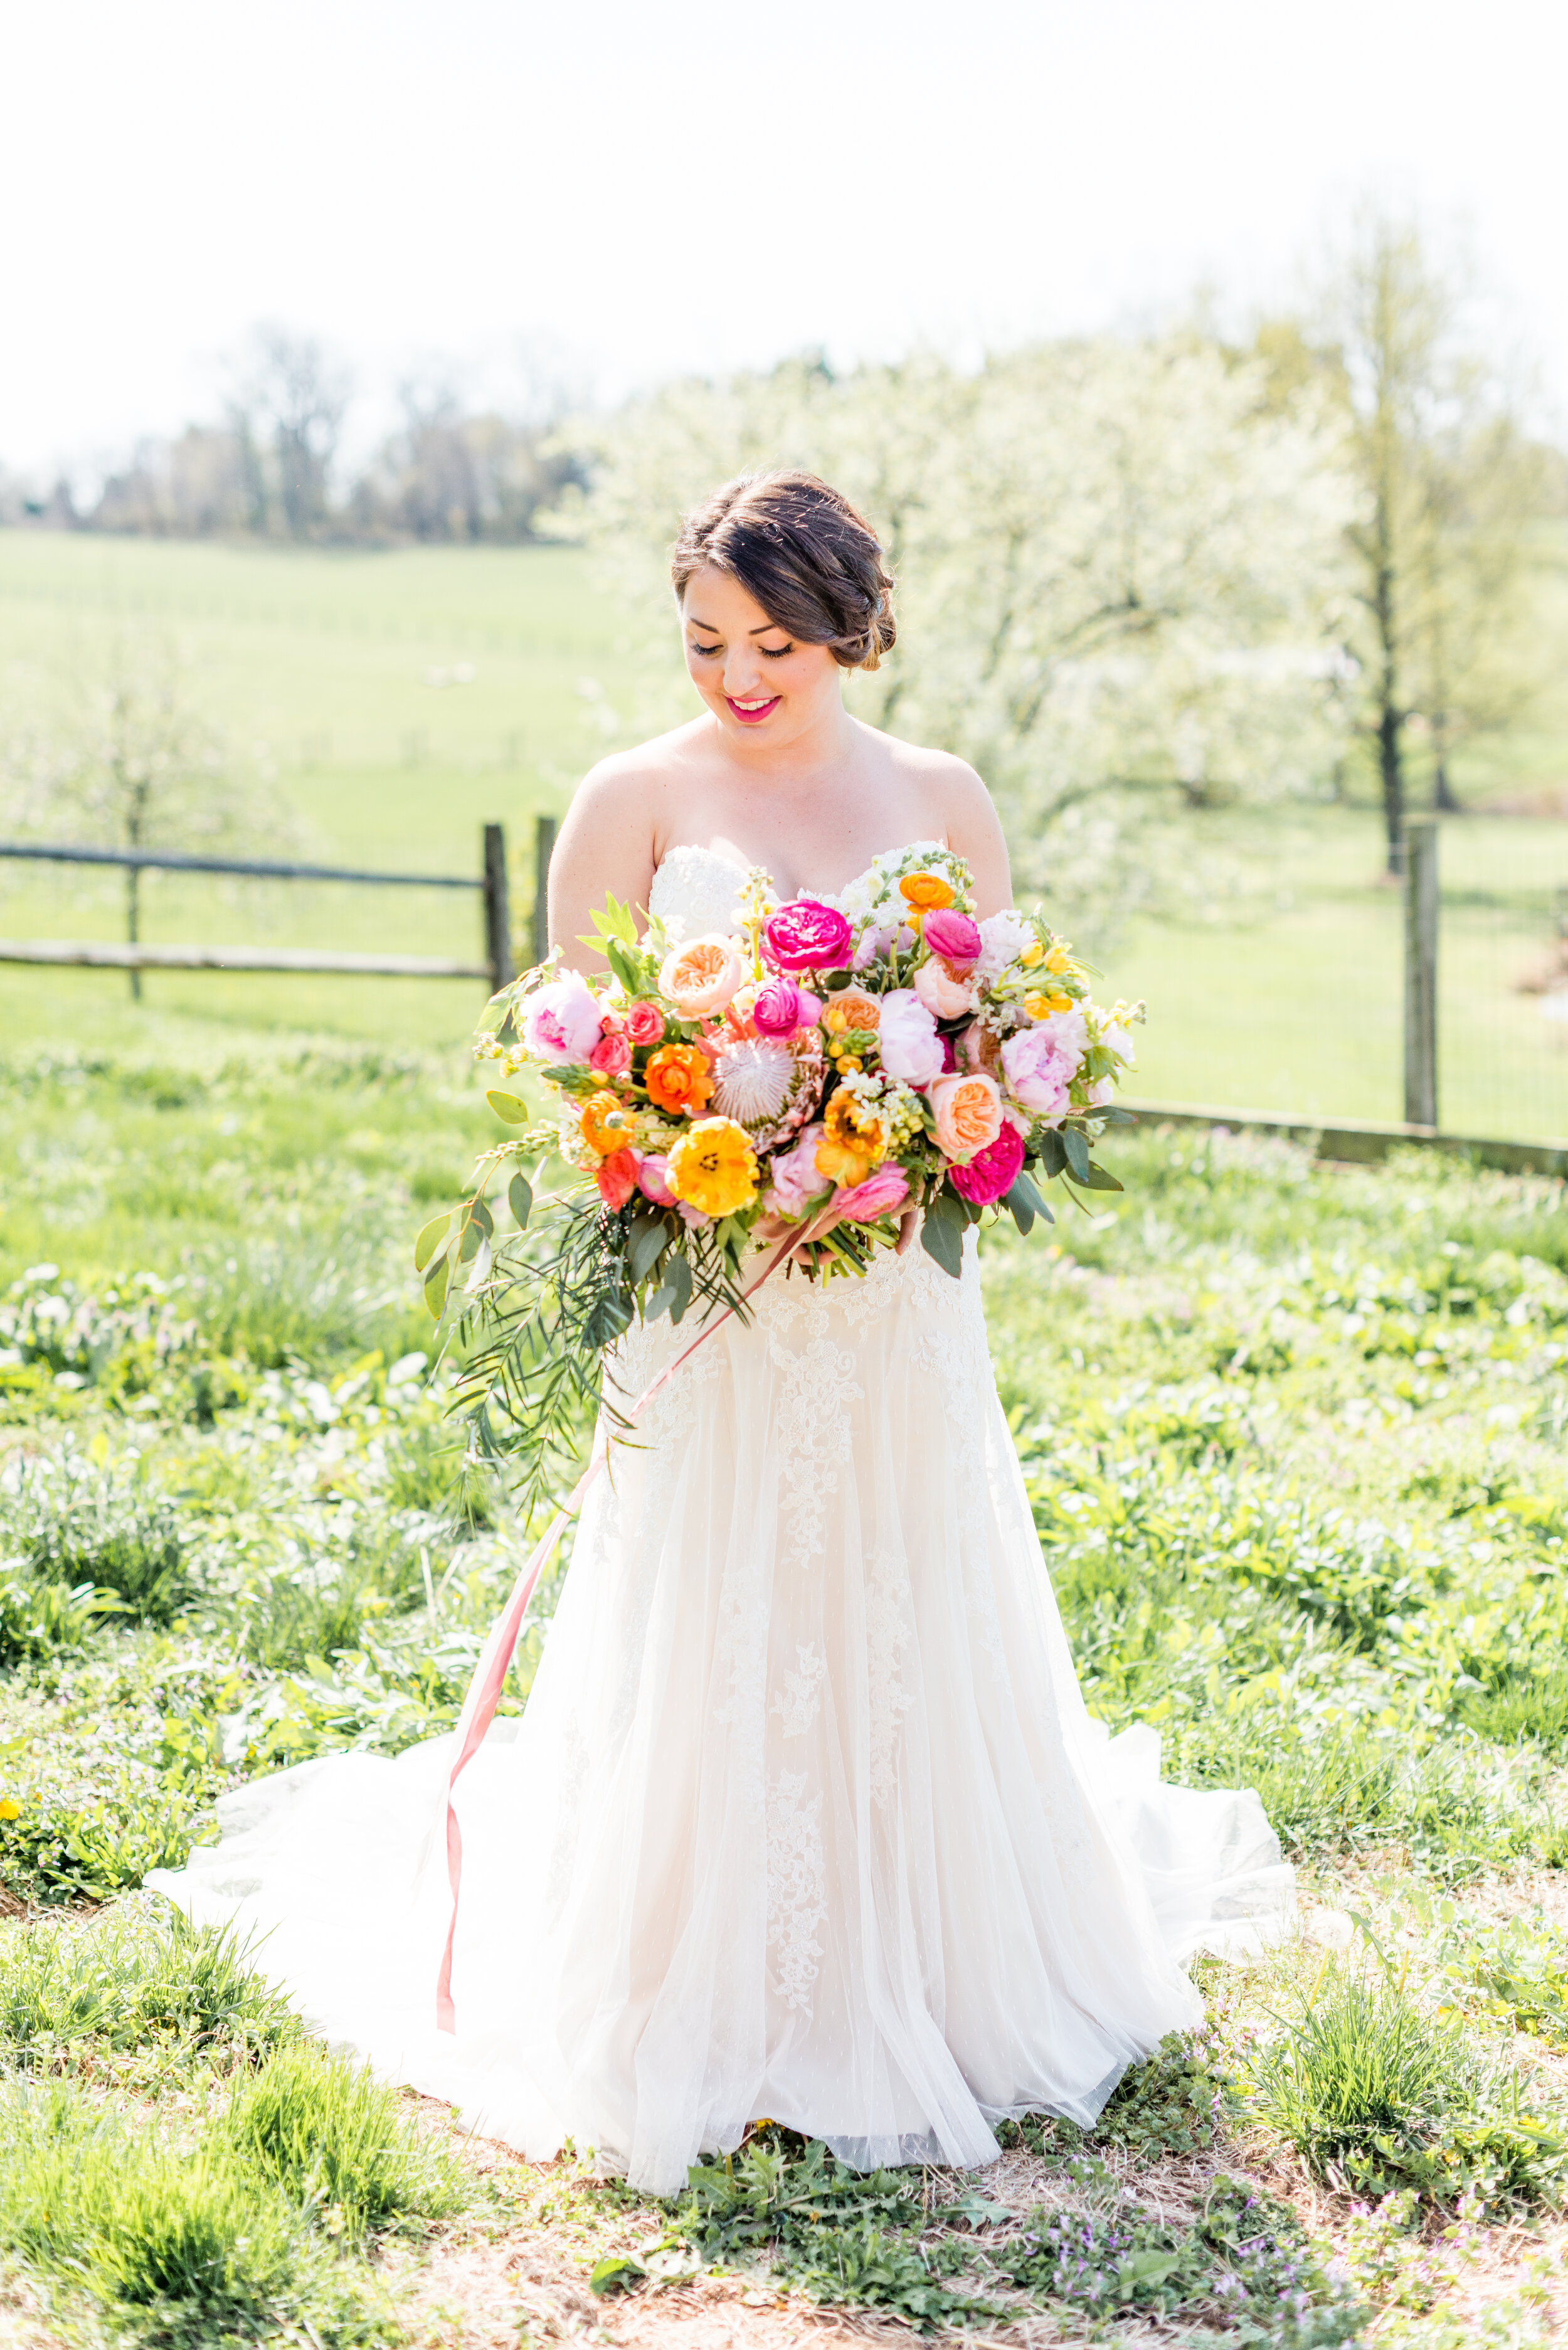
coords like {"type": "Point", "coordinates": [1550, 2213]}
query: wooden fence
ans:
{"type": "Point", "coordinates": [135, 956]}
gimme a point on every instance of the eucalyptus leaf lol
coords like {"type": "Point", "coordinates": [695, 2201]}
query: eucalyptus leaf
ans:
{"type": "Point", "coordinates": [1076, 1146]}
{"type": "Point", "coordinates": [510, 1108]}
{"type": "Point", "coordinates": [436, 1280]}
{"type": "Point", "coordinates": [429, 1238]}
{"type": "Point", "coordinates": [1100, 1178]}
{"type": "Point", "coordinates": [678, 1279]}
{"type": "Point", "coordinates": [468, 1243]}
{"type": "Point", "coordinates": [519, 1200]}
{"type": "Point", "coordinates": [480, 1212]}
{"type": "Point", "coordinates": [942, 1232]}
{"type": "Point", "coordinates": [648, 1234]}
{"type": "Point", "coordinates": [1053, 1156]}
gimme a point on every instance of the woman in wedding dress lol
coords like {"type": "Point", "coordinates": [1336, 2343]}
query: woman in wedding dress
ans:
{"type": "Point", "coordinates": [805, 1816]}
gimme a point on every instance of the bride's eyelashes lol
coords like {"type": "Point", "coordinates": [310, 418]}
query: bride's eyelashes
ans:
{"type": "Point", "coordinates": [768, 652]}
{"type": "Point", "coordinates": [706, 651]}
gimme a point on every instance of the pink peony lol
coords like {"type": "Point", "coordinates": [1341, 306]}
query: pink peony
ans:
{"type": "Point", "coordinates": [1037, 1070]}
{"type": "Point", "coordinates": [874, 944]}
{"type": "Point", "coordinates": [611, 1056]}
{"type": "Point", "coordinates": [781, 1005]}
{"type": "Point", "coordinates": [644, 1023]}
{"type": "Point", "coordinates": [1003, 939]}
{"type": "Point", "coordinates": [702, 976]}
{"type": "Point", "coordinates": [1069, 1032]}
{"type": "Point", "coordinates": [943, 991]}
{"type": "Point", "coordinates": [906, 1041]}
{"type": "Point", "coordinates": [651, 1181]}
{"type": "Point", "coordinates": [952, 936]}
{"type": "Point", "coordinates": [968, 1111]}
{"type": "Point", "coordinates": [991, 1173]}
{"type": "Point", "coordinates": [805, 935]}
{"type": "Point", "coordinates": [617, 1178]}
{"type": "Point", "coordinates": [1102, 1091]}
{"type": "Point", "coordinates": [795, 1180]}
{"type": "Point", "coordinates": [562, 1022]}
{"type": "Point", "coordinates": [886, 1189]}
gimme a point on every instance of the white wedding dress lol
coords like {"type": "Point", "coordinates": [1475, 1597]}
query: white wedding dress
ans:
{"type": "Point", "coordinates": [805, 1816]}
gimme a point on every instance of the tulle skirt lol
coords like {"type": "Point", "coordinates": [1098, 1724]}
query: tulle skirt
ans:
{"type": "Point", "coordinates": [805, 1818]}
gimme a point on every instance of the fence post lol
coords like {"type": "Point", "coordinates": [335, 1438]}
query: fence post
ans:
{"type": "Point", "coordinates": [497, 912]}
{"type": "Point", "coordinates": [544, 849]}
{"type": "Point", "coordinates": [1420, 892]}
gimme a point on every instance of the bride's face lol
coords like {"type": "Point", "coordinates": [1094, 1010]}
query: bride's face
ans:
{"type": "Point", "coordinates": [760, 683]}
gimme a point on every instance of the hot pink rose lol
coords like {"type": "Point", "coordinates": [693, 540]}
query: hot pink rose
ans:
{"type": "Point", "coordinates": [795, 1181]}
{"type": "Point", "coordinates": [562, 1022]}
{"type": "Point", "coordinates": [968, 1111]}
{"type": "Point", "coordinates": [805, 935]}
{"type": "Point", "coordinates": [617, 1178]}
{"type": "Point", "coordinates": [943, 991]}
{"type": "Point", "coordinates": [952, 936]}
{"type": "Point", "coordinates": [611, 1056]}
{"type": "Point", "coordinates": [906, 1042]}
{"type": "Point", "coordinates": [991, 1173]}
{"type": "Point", "coordinates": [652, 1181]}
{"type": "Point", "coordinates": [1037, 1070]}
{"type": "Point", "coordinates": [644, 1023]}
{"type": "Point", "coordinates": [782, 1005]}
{"type": "Point", "coordinates": [886, 1189]}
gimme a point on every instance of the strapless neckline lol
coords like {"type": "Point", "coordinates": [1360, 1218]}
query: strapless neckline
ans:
{"type": "Point", "coordinates": [683, 849]}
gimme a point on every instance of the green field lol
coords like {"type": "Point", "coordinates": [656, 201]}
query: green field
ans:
{"type": "Point", "coordinates": [316, 665]}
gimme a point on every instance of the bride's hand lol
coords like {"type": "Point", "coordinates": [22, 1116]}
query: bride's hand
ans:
{"type": "Point", "coordinates": [774, 1229]}
{"type": "Point", "coordinates": [909, 1225]}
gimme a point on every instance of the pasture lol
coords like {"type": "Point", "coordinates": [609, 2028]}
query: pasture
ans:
{"type": "Point", "coordinates": [339, 674]}
{"type": "Point", "coordinates": [1294, 1436]}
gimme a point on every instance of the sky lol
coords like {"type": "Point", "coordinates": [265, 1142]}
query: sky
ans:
{"type": "Point", "coordinates": [609, 192]}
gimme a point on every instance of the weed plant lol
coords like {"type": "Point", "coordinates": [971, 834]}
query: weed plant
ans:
{"type": "Point", "coordinates": [334, 2139]}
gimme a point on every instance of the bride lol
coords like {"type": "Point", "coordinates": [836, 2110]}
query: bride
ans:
{"type": "Point", "coordinates": [805, 1816]}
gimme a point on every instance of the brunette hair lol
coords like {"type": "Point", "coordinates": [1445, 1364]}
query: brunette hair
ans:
{"type": "Point", "coordinates": [810, 559]}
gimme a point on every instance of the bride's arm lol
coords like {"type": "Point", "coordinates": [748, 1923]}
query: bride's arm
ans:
{"type": "Point", "coordinates": [605, 849]}
{"type": "Point", "coordinates": [974, 831]}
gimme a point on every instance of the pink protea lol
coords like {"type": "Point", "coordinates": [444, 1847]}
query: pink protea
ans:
{"type": "Point", "coordinates": [769, 1084]}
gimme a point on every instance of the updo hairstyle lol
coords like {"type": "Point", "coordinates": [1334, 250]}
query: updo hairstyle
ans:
{"type": "Point", "coordinates": [804, 553]}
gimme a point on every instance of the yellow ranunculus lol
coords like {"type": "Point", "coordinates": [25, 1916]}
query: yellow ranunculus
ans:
{"type": "Point", "coordinates": [1059, 1000]}
{"type": "Point", "coordinates": [713, 1167]}
{"type": "Point", "coordinates": [1037, 1006]}
{"type": "Point", "coordinates": [607, 1124]}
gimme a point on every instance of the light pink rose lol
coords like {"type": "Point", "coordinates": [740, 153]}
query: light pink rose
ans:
{"type": "Point", "coordinates": [952, 936]}
{"type": "Point", "coordinates": [794, 1180]}
{"type": "Point", "coordinates": [702, 976]}
{"type": "Point", "coordinates": [943, 992]}
{"type": "Point", "coordinates": [1037, 1070]}
{"type": "Point", "coordinates": [651, 1181]}
{"type": "Point", "coordinates": [1102, 1091]}
{"type": "Point", "coordinates": [906, 1041]}
{"type": "Point", "coordinates": [562, 1022]}
{"type": "Point", "coordinates": [886, 1189]}
{"type": "Point", "coordinates": [611, 1056]}
{"type": "Point", "coordinates": [967, 1110]}
{"type": "Point", "coordinates": [645, 1024]}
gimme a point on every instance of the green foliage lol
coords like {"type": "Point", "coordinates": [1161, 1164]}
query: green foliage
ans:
{"type": "Point", "coordinates": [75, 1525]}
{"type": "Point", "coordinates": [1379, 2095]}
{"type": "Point", "coordinates": [1173, 2103]}
{"type": "Point", "coordinates": [334, 2139]}
{"type": "Point", "coordinates": [1244, 2262]}
{"type": "Point", "coordinates": [132, 1987]}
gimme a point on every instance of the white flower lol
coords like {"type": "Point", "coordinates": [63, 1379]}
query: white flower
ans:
{"type": "Point", "coordinates": [1004, 938]}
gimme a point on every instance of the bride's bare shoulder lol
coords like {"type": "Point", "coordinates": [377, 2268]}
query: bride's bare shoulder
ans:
{"type": "Point", "coordinates": [940, 778]}
{"type": "Point", "coordinates": [636, 786]}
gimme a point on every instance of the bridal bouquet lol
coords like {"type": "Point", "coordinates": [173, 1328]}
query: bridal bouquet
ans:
{"type": "Point", "coordinates": [828, 1067]}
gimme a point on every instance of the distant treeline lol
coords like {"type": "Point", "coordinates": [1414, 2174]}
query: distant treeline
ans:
{"type": "Point", "coordinates": [268, 469]}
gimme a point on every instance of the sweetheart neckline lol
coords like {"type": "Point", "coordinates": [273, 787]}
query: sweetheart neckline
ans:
{"type": "Point", "coordinates": [695, 848]}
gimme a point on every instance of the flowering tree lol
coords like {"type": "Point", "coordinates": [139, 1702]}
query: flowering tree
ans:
{"type": "Point", "coordinates": [1122, 577]}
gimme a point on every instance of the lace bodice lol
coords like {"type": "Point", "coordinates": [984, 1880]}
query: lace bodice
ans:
{"type": "Point", "coordinates": [694, 890]}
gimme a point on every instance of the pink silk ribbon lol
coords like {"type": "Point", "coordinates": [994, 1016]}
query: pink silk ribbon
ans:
{"type": "Point", "coordinates": [496, 1657]}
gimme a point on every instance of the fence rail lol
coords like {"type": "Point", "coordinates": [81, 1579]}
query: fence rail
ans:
{"type": "Point", "coordinates": [135, 957]}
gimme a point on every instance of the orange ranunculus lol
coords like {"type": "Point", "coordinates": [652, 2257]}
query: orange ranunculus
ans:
{"type": "Point", "coordinates": [854, 1141]}
{"type": "Point", "coordinates": [853, 1008]}
{"type": "Point", "coordinates": [607, 1124]}
{"type": "Point", "coordinates": [925, 891]}
{"type": "Point", "coordinates": [679, 1079]}
{"type": "Point", "coordinates": [617, 1178]}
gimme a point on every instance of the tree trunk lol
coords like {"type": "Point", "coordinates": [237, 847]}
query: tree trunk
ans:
{"type": "Point", "coordinates": [1444, 797]}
